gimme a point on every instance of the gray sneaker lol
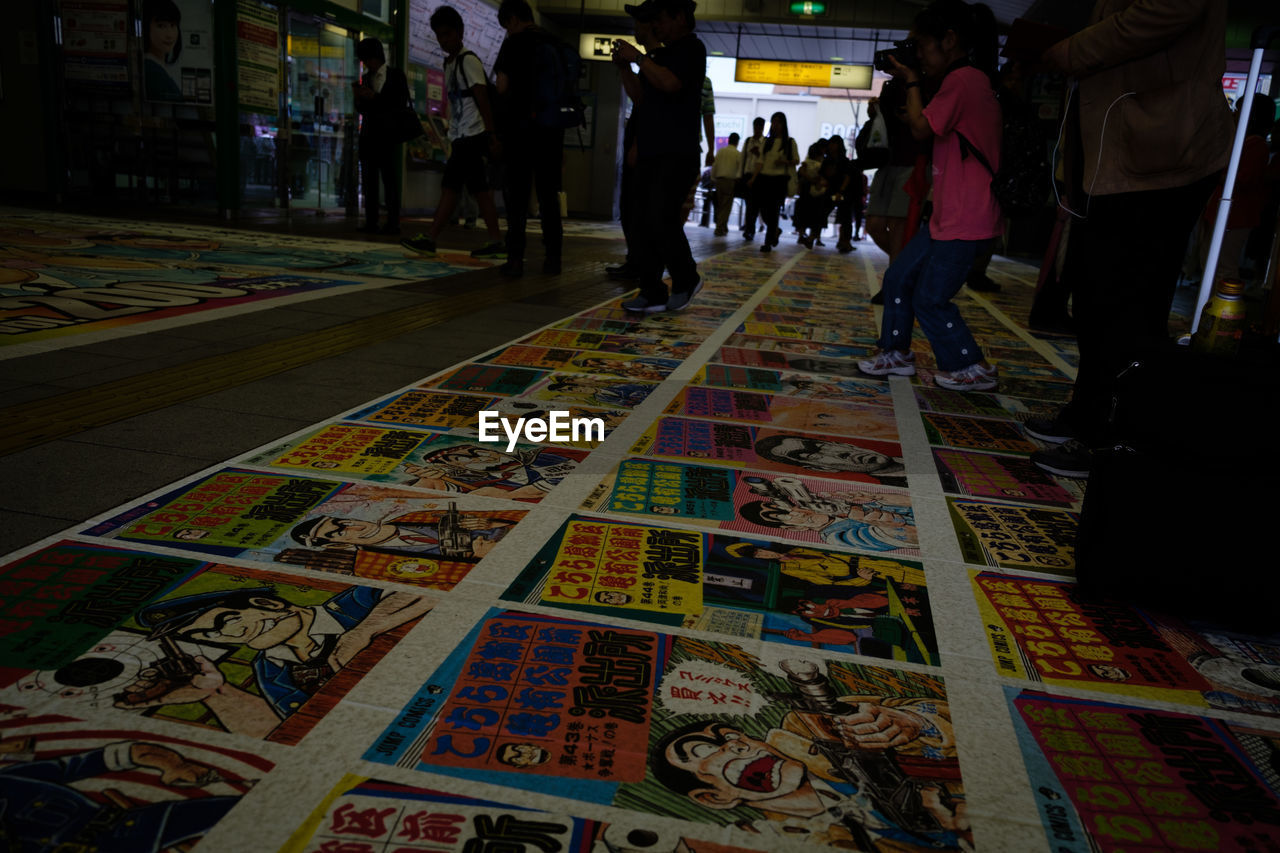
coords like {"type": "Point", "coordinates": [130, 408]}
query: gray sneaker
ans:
{"type": "Point", "coordinates": [640, 305]}
{"type": "Point", "coordinates": [678, 301]}
{"type": "Point", "coordinates": [1069, 459]}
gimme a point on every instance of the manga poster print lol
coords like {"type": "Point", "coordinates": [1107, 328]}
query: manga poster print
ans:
{"type": "Point", "coordinates": [645, 367]}
{"type": "Point", "coordinates": [439, 463]}
{"type": "Point", "coordinates": [797, 346]}
{"type": "Point", "coordinates": [697, 730]}
{"type": "Point", "coordinates": [973, 403]}
{"type": "Point", "coordinates": [976, 434]}
{"type": "Point", "coordinates": [788, 362]}
{"type": "Point", "coordinates": [1008, 536]}
{"type": "Point", "coordinates": [991, 475]}
{"type": "Point", "coordinates": [329, 526]}
{"type": "Point", "coordinates": [853, 515]}
{"type": "Point", "coordinates": [624, 344]}
{"type": "Point", "coordinates": [740, 588]}
{"type": "Point", "coordinates": [363, 815]}
{"type": "Point", "coordinates": [229, 648]}
{"type": "Point", "coordinates": [834, 457]}
{"type": "Point", "coordinates": [1039, 630]}
{"type": "Point", "coordinates": [500, 379]}
{"type": "Point", "coordinates": [805, 332]}
{"type": "Point", "coordinates": [70, 785]}
{"type": "Point", "coordinates": [873, 391]}
{"type": "Point", "coordinates": [1043, 391]}
{"type": "Point", "coordinates": [589, 390]}
{"type": "Point", "coordinates": [834, 417]}
{"type": "Point", "coordinates": [1110, 777]}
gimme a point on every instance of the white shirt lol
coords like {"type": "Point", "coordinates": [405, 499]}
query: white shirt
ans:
{"type": "Point", "coordinates": [379, 78]}
{"type": "Point", "coordinates": [464, 117]}
{"type": "Point", "coordinates": [728, 163]}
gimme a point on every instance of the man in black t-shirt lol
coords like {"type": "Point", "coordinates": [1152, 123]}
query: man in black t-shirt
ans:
{"type": "Point", "coordinates": [532, 151]}
{"type": "Point", "coordinates": [666, 149]}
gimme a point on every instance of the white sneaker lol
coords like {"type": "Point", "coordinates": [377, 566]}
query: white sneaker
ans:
{"type": "Point", "coordinates": [975, 377]}
{"type": "Point", "coordinates": [889, 362]}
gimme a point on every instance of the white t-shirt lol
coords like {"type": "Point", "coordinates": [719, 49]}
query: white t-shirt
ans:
{"type": "Point", "coordinates": [776, 158]}
{"type": "Point", "coordinates": [464, 117]}
{"type": "Point", "coordinates": [728, 163]}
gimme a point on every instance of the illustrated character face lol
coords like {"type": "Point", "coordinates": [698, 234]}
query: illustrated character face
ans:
{"type": "Point", "coordinates": [613, 596]}
{"type": "Point", "coordinates": [522, 755]}
{"type": "Point", "coordinates": [738, 770]}
{"type": "Point", "coordinates": [797, 518]}
{"type": "Point", "coordinates": [814, 610]}
{"type": "Point", "coordinates": [190, 534]}
{"type": "Point", "coordinates": [663, 510]}
{"type": "Point", "coordinates": [351, 531]}
{"type": "Point", "coordinates": [268, 622]}
{"type": "Point", "coordinates": [1111, 672]}
{"type": "Point", "coordinates": [829, 455]}
{"type": "Point", "coordinates": [474, 458]}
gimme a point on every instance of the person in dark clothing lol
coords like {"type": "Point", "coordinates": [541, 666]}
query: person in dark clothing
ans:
{"type": "Point", "coordinates": [380, 94]}
{"type": "Point", "coordinates": [667, 151]}
{"type": "Point", "coordinates": [532, 151]}
{"type": "Point", "coordinates": [752, 151]}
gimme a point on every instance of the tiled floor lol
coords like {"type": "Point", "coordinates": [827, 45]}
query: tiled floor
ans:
{"type": "Point", "coordinates": [897, 664]}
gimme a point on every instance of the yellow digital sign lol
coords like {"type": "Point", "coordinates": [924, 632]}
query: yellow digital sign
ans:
{"type": "Point", "coordinates": [813, 74]}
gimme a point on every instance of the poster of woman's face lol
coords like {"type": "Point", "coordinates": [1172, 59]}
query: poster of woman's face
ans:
{"type": "Point", "coordinates": [177, 51]}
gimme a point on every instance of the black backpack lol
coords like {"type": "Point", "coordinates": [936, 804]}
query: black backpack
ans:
{"type": "Point", "coordinates": [453, 87]}
{"type": "Point", "coordinates": [557, 101]}
{"type": "Point", "coordinates": [1022, 184]}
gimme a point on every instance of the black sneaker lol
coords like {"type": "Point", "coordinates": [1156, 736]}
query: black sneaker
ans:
{"type": "Point", "coordinates": [512, 269]}
{"type": "Point", "coordinates": [1054, 430]}
{"type": "Point", "coordinates": [422, 244]}
{"type": "Point", "coordinates": [551, 266]}
{"type": "Point", "coordinates": [1069, 459]}
{"type": "Point", "coordinates": [878, 299]}
{"type": "Point", "coordinates": [494, 249]}
{"type": "Point", "coordinates": [679, 300]}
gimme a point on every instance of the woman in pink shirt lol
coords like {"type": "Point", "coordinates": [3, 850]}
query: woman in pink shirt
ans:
{"type": "Point", "coordinates": [954, 40]}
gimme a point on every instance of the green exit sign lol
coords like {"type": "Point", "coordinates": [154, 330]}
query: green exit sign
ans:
{"type": "Point", "coordinates": [809, 7]}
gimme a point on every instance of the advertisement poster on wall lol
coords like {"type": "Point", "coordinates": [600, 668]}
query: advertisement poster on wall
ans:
{"type": "Point", "coordinates": [258, 51]}
{"type": "Point", "coordinates": [177, 51]}
{"type": "Point", "coordinates": [94, 37]}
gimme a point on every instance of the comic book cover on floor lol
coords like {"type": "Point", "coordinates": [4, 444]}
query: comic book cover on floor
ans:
{"type": "Point", "coordinates": [788, 362]}
{"type": "Point", "coordinates": [856, 334]}
{"type": "Point", "coordinates": [747, 588]}
{"type": "Point", "coordinates": [651, 368]}
{"type": "Point", "coordinates": [363, 815]}
{"type": "Point", "coordinates": [740, 445]}
{"type": "Point", "coordinates": [1038, 389]}
{"type": "Point", "coordinates": [249, 651]}
{"type": "Point", "coordinates": [460, 413]}
{"type": "Point", "coordinates": [348, 528]}
{"type": "Point", "coordinates": [785, 747]}
{"type": "Point", "coordinates": [975, 403]}
{"type": "Point", "coordinates": [1008, 536]}
{"type": "Point", "coordinates": [661, 347]}
{"type": "Point", "coordinates": [862, 390]}
{"type": "Point", "coordinates": [1040, 630]}
{"type": "Point", "coordinates": [976, 433]}
{"type": "Point", "coordinates": [991, 475]}
{"type": "Point", "coordinates": [1110, 777]}
{"type": "Point", "coordinates": [795, 346]}
{"type": "Point", "coordinates": [440, 463]}
{"type": "Point", "coordinates": [503, 380]}
{"type": "Point", "coordinates": [588, 390]}
{"type": "Point", "coordinates": [796, 413]}
{"type": "Point", "coordinates": [68, 785]}
{"type": "Point", "coordinates": [852, 515]}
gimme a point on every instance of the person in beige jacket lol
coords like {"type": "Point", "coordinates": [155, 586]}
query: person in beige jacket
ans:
{"type": "Point", "coordinates": [1153, 132]}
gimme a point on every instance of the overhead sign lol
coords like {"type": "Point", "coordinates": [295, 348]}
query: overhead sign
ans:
{"type": "Point", "coordinates": [813, 74]}
{"type": "Point", "coordinates": [808, 8]}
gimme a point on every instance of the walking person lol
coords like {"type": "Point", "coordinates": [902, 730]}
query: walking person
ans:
{"type": "Point", "coordinates": [779, 157]}
{"type": "Point", "coordinates": [667, 150]}
{"type": "Point", "coordinates": [380, 95]}
{"type": "Point", "coordinates": [954, 40]}
{"type": "Point", "coordinates": [752, 150]}
{"type": "Point", "coordinates": [532, 149]}
{"type": "Point", "coordinates": [725, 171]}
{"type": "Point", "coordinates": [471, 134]}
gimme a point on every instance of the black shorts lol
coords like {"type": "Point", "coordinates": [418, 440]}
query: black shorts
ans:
{"type": "Point", "coordinates": [468, 164]}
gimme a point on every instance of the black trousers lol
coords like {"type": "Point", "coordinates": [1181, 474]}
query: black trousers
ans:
{"type": "Point", "coordinates": [534, 159]}
{"type": "Point", "coordinates": [661, 186]}
{"type": "Point", "coordinates": [1124, 261]}
{"type": "Point", "coordinates": [378, 160]}
{"type": "Point", "coordinates": [769, 192]}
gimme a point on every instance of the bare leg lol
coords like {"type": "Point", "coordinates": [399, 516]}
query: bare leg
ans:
{"type": "Point", "coordinates": [444, 211]}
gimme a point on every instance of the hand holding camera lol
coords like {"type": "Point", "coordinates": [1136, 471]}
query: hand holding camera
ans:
{"type": "Point", "coordinates": [899, 59]}
{"type": "Point", "coordinates": [626, 51]}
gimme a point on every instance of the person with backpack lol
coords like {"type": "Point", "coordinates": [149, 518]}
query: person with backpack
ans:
{"type": "Point", "coordinates": [530, 80]}
{"type": "Point", "coordinates": [471, 137]}
{"type": "Point", "coordinates": [954, 41]}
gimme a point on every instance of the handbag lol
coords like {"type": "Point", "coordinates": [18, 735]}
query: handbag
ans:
{"type": "Point", "coordinates": [406, 126]}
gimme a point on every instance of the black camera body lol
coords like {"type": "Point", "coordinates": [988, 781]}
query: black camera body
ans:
{"type": "Point", "coordinates": [904, 51]}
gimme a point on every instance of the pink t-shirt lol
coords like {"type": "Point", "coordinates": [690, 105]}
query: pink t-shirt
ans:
{"type": "Point", "coordinates": [963, 206]}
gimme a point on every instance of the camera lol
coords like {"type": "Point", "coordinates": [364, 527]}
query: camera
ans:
{"type": "Point", "coordinates": [904, 51]}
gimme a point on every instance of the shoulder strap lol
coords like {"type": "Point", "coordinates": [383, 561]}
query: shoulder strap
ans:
{"type": "Point", "coordinates": [967, 148]}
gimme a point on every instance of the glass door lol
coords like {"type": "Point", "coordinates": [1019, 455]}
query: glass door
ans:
{"type": "Point", "coordinates": [321, 162]}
